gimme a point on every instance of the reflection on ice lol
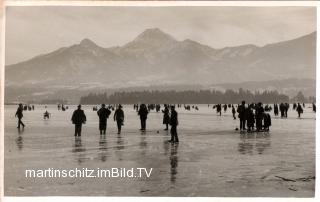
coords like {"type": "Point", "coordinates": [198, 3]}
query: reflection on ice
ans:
{"type": "Point", "coordinates": [254, 141]}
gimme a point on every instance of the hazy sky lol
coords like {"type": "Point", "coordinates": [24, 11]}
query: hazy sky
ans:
{"type": "Point", "coordinates": [31, 31]}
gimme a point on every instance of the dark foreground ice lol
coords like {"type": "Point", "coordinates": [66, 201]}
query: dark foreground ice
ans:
{"type": "Point", "coordinates": [212, 159]}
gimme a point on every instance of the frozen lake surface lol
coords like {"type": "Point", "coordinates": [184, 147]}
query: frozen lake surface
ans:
{"type": "Point", "coordinates": [212, 159]}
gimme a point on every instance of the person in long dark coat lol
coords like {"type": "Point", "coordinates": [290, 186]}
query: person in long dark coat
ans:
{"type": "Point", "coordinates": [299, 110]}
{"type": "Point", "coordinates": [259, 116]}
{"type": "Point", "coordinates": [242, 115]}
{"type": "Point", "coordinates": [103, 114]}
{"type": "Point", "coordinates": [174, 123]}
{"type": "Point", "coordinates": [78, 118]}
{"type": "Point", "coordinates": [119, 117]}
{"type": "Point", "coordinates": [19, 114]}
{"type": "Point", "coordinates": [143, 113]}
{"type": "Point", "coordinates": [166, 117]}
{"type": "Point", "coordinates": [266, 121]}
{"type": "Point", "coordinates": [275, 109]}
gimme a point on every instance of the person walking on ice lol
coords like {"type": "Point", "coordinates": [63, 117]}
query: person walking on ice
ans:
{"type": "Point", "coordinates": [19, 114]}
{"type": "Point", "coordinates": [119, 117]}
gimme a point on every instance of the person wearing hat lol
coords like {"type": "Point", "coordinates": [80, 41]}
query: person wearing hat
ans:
{"type": "Point", "coordinates": [78, 118]}
{"type": "Point", "coordinates": [103, 114]}
{"type": "Point", "coordinates": [119, 117]}
{"type": "Point", "coordinates": [19, 114]}
{"type": "Point", "coordinates": [174, 123]}
{"type": "Point", "coordinates": [143, 113]}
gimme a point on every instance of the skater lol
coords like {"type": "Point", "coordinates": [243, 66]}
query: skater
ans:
{"type": "Point", "coordinates": [299, 110]}
{"type": "Point", "coordinates": [259, 116]}
{"type": "Point", "coordinates": [266, 121]}
{"type": "Point", "coordinates": [219, 109]}
{"type": "Point", "coordinates": [103, 114]}
{"type": "Point", "coordinates": [242, 115]}
{"type": "Point", "coordinates": [174, 123]}
{"type": "Point", "coordinates": [275, 109]}
{"type": "Point", "coordinates": [233, 112]}
{"type": "Point", "coordinates": [19, 114]}
{"type": "Point", "coordinates": [119, 117]}
{"type": "Point", "coordinates": [46, 115]}
{"type": "Point", "coordinates": [166, 117]}
{"type": "Point", "coordinates": [78, 118]}
{"type": "Point", "coordinates": [143, 113]}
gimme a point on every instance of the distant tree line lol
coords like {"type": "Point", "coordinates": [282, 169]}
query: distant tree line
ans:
{"type": "Point", "coordinates": [187, 97]}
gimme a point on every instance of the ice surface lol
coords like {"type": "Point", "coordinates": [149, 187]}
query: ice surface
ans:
{"type": "Point", "coordinates": [212, 159]}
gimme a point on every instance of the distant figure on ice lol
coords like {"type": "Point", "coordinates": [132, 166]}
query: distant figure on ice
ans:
{"type": "Point", "coordinates": [103, 114]}
{"type": "Point", "coordinates": [233, 112]}
{"type": "Point", "coordinates": [266, 121]}
{"type": "Point", "coordinates": [19, 114]}
{"type": "Point", "coordinates": [287, 106]}
{"type": "Point", "coordinates": [119, 117]}
{"type": "Point", "coordinates": [259, 116]}
{"type": "Point", "coordinates": [282, 110]}
{"type": "Point", "coordinates": [219, 109]}
{"type": "Point", "coordinates": [275, 109]}
{"type": "Point", "coordinates": [46, 115]}
{"type": "Point", "coordinates": [225, 107]}
{"type": "Point", "coordinates": [166, 117]}
{"type": "Point", "coordinates": [174, 123]}
{"type": "Point", "coordinates": [299, 110]}
{"type": "Point", "coordinates": [143, 113]}
{"type": "Point", "coordinates": [250, 119]}
{"type": "Point", "coordinates": [78, 118]}
{"type": "Point", "coordinates": [242, 115]}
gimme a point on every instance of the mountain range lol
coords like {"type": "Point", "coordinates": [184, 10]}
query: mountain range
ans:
{"type": "Point", "coordinates": [156, 58]}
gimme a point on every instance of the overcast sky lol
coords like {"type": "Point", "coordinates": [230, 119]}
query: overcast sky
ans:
{"type": "Point", "coordinates": [31, 31]}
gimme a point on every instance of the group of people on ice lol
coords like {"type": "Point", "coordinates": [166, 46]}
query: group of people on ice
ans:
{"type": "Point", "coordinates": [258, 118]}
{"type": "Point", "coordinates": [252, 117]}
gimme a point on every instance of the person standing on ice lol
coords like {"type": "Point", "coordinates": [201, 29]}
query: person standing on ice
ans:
{"type": "Point", "coordinates": [103, 114]}
{"type": "Point", "coordinates": [78, 118]}
{"type": "Point", "coordinates": [119, 117]}
{"type": "Point", "coordinates": [174, 123]}
{"type": "Point", "coordinates": [166, 117]}
{"type": "Point", "coordinates": [299, 110]}
{"type": "Point", "coordinates": [242, 115]}
{"type": "Point", "coordinates": [19, 114]}
{"type": "Point", "coordinates": [233, 112]}
{"type": "Point", "coordinates": [143, 113]}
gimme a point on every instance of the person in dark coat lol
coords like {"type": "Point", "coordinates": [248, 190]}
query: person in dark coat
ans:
{"type": "Point", "coordinates": [314, 107]}
{"type": "Point", "coordinates": [174, 123]}
{"type": "Point", "coordinates": [275, 109]}
{"type": "Point", "coordinates": [166, 117]}
{"type": "Point", "coordinates": [259, 116]}
{"type": "Point", "coordinates": [78, 118]}
{"type": "Point", "coordinates": [242, 115]}
{"type": "Point", "coordinates": [299, 110]}
{"type": "Point", "coordinates": [250, 119]}
{"type": "Point", "coordinates": [19, 114]}
{"type": "Point", "coordinates": [119, 117]}
{"type": "Point", "coordinates": [143, 113]}
{"type": "Point", "coordinates": [103, 114]}
{"type": "Point", "coordinates": [266, 121]}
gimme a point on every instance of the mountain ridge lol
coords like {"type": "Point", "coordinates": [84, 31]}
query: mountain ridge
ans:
{"type": "Point", "coordinates": [155, 58]}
